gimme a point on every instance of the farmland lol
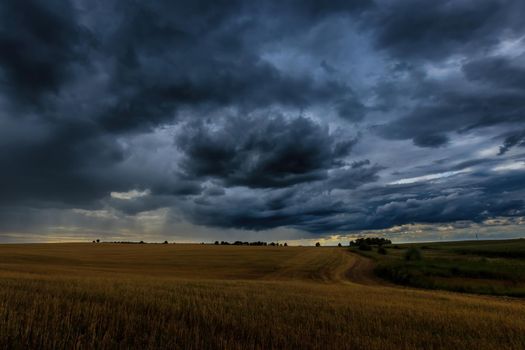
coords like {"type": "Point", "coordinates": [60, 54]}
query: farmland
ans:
{"type": "Point", "coordinates": [106, 296]}
{"type": "Point", "coordinates": [483, 267]}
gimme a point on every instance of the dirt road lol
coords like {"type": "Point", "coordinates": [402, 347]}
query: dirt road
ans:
{"type": "Point", "coordinates": [361, 271]}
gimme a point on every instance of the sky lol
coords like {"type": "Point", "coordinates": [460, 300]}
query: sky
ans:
{"type": "Point", "coordinates": [296, 120]}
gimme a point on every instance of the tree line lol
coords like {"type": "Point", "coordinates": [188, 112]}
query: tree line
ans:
{"type": "Point", "coordinates": [370, 241]}
{"type": "Point", "coordinates": [258, 243]}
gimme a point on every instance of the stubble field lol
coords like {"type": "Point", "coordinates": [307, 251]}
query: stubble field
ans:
{"type": "Point", "coordinates": [112, 296]}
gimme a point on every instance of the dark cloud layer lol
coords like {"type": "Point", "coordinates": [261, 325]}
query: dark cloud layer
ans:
{"type": "Point", "coordinates": [514, 138]}
{"type": "Point", "coordinates": [318, 116]}
{"type": "Point", "coordinates": [39, 41]}
{"type": "Point", "coordinates": [417, 29]}
{"type": "Point", "coordinates": [261, 152]}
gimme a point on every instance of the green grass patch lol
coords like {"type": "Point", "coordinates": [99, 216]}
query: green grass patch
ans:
{"type": "Point", "coordinates": [483, 267]}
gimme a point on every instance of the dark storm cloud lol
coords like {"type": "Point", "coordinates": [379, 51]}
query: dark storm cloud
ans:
{"type": "Point", "coordinates": [308, 206]}
{"type": "Point", "coordinates": [414, 32]}
{"type": "Point", "coordinates": [439, 202]}
{"type": "Point", "coordinates": [430, 140]}
{"type": "Point", "coordinates": [516, 138]}
{"type": "Point", "coordinates": [39, 41]}
{"type": "Point", "coordinates": [154, 59]}
{"type": "Point", "coordinates": [443, 208]}
{"type": "Point", "coordinates": [498, 71]}
{"type": "Point", "coordinates": [239, 80]}
{"type": "Point", "coordinates": [261, 152]}
{"type": "Point", "coordinates": [469, 163]}
{"type": "Point", "coordinates": [418, 29]}
{"type": "Point", "coordinates": [261, 211]}
{"type": "Point", "coordinates": [169, 55]}
{"type": "Point", "coordinates": [351, 109]}
{"type": "Point", "coordinates": [360, 163]}
{"type": "Point", "coordinates": [262, 114]}
{"type": "Point", "coordinates": [57, 163]}
{"type": "Point", "coordinates": [474, 197]}
{"type": "Point", "coordinates": [353, 177]}
{"type": "Point", "coordinates": [428, 124]}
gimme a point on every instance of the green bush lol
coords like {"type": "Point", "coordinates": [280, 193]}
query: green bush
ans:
{"type": "Point", "coordinates": [413, 254]}
{"type": "Point", "coordinates": [404, 274]}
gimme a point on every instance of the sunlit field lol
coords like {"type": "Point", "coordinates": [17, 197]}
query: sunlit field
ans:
{"type": "Point", "coordinates": [107, 296]}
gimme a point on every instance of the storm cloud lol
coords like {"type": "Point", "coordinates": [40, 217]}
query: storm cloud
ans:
{"type": "Point", "coordinates": [169, 118]}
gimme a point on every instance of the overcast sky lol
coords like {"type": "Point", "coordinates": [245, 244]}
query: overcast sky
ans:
{"type": "Point", "coordinates": [261, 120]}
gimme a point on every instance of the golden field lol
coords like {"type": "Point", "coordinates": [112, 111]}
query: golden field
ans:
{"type": "Point", "coordinates": [112, 296]}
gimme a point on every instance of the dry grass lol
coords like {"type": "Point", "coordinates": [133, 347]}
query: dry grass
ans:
{"type": "Point", "coordinates": [59, 296]}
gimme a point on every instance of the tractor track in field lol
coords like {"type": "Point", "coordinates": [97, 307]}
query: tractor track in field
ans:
{"type": "Point", "coordinates": [329, 265]}
{"type": "Point", "coordinates": [361, 271]}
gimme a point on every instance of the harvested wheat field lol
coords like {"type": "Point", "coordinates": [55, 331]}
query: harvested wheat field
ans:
{"type": "Point", "coordinates": [111, 296]}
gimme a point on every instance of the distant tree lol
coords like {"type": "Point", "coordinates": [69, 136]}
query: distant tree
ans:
{"type": "Point", "coordinates": [216, 243]}
{"type": "Point", "coordinates": [141, 242]}
{"type": "Point", "coordinates": [364, 246]}
{"type": "Point", "coordinates": [339, 245]}
{"type": "Point", "coordinates": [94, 241]}
{"type": "Point", "coordinates": [98, 240]}
{"type": "Point", "coordinates": [165, 242]}
{"type": "Point", "coordinates": [318, 244]}
{"type": "Point", "coordinates": [370, 241]}
{"type": "Point", "coordinates": [285, 244]}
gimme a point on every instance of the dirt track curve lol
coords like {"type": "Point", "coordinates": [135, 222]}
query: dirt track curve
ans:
{"type": "Point", "coordinates": [329, 265]}
{"type": "Point", "coordinates": [361, 271]}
